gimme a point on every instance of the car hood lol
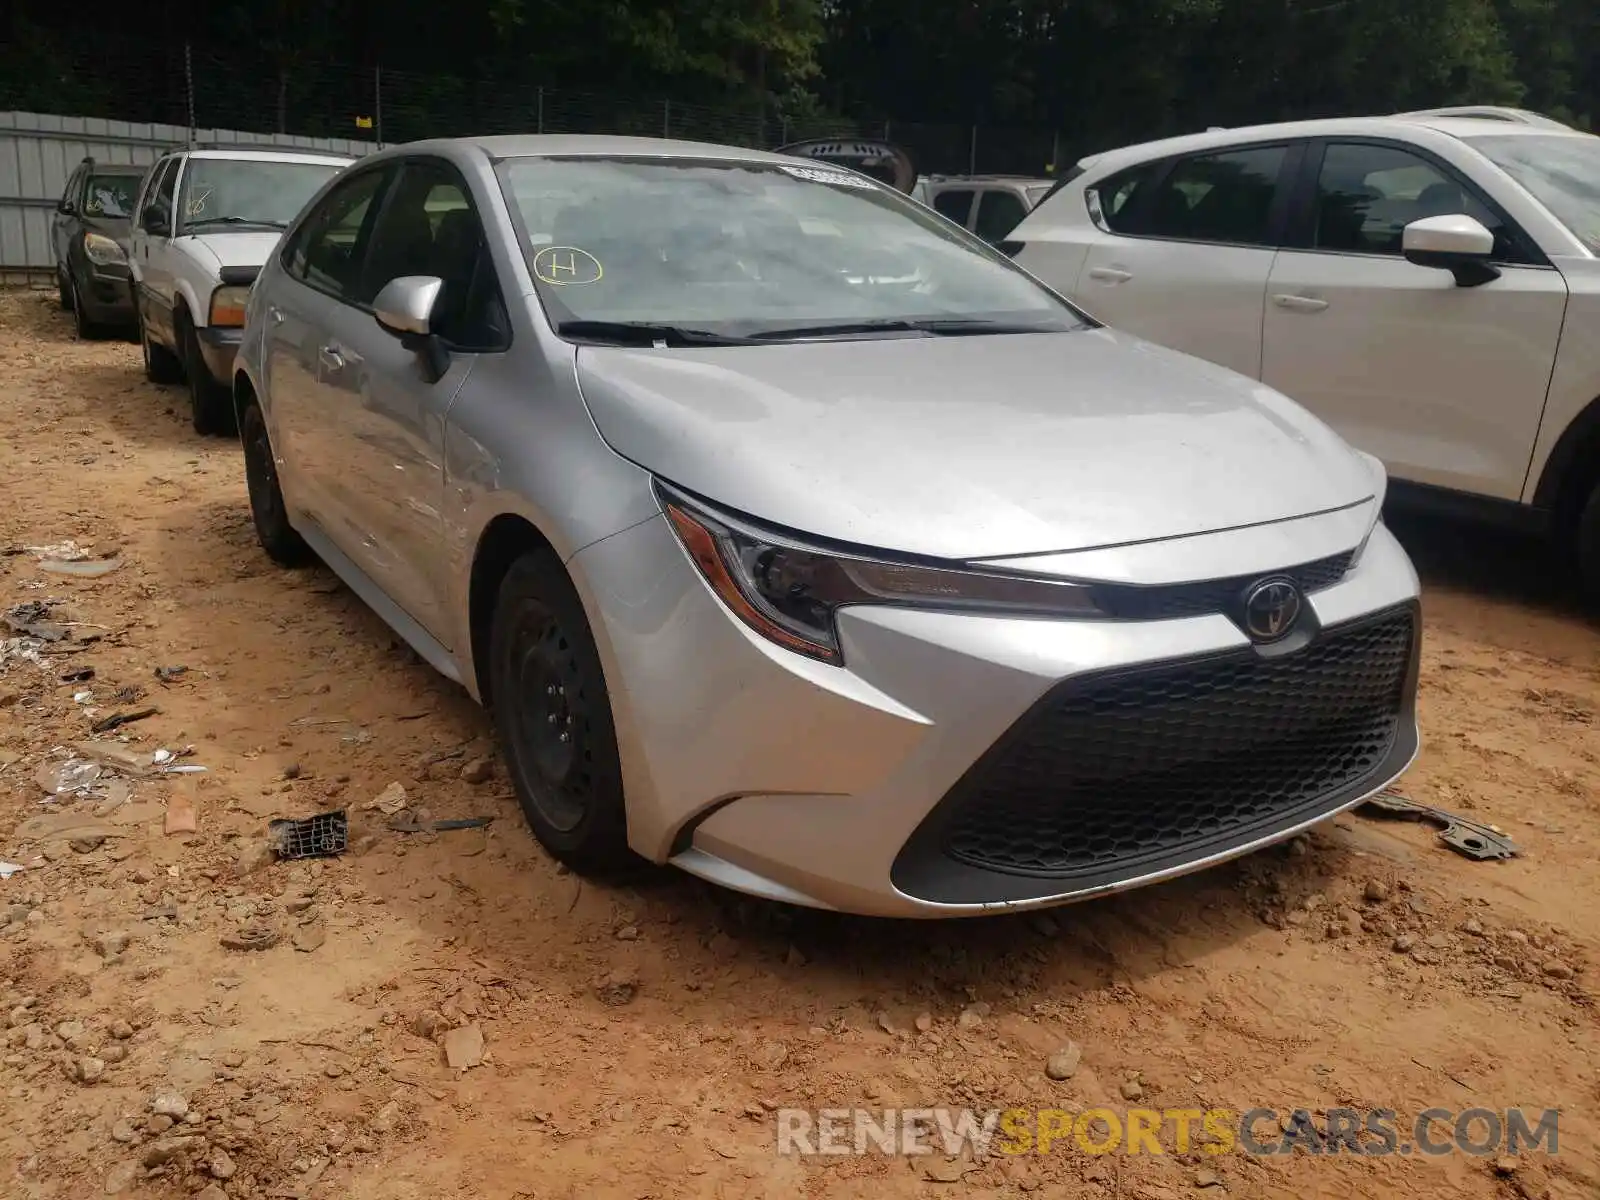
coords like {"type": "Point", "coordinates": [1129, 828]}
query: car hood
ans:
{"type": "Point", "coordinates": [239, 249]}
{"type": "Point", "coordinates": [118, 229]}
{"type": "Point", "coordinates": [971, 447]}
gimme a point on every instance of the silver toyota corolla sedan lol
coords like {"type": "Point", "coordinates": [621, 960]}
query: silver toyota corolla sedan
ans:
{"type": "Point", "coordinates": [797, 538]}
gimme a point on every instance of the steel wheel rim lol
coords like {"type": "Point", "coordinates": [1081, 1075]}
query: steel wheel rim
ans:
{"type": "Point", "coordinates": [550, 721]}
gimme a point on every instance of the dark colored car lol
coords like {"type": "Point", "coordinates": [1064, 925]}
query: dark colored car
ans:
{"type": "Point", "coordinates": [90, 233]}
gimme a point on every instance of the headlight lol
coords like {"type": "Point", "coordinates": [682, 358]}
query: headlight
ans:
{"type": "Point", "coordinates": [227, 306]}
{"type": "Point", "coordinates": [788, 592]}
{"type": "Point", "coordinates": [102, 251]}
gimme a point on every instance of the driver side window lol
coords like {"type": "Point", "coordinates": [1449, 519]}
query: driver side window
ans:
{"type": "Point", "coordinates": [327, 252]}
{"type": "Point", "coordinates": [1367, 195]}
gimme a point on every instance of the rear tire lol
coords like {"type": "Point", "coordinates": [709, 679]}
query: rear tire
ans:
{"type": "Point", "coordinates": [209, 403]}
{"type": "Point", "coordinates": [160, 364]}
{"type": "Point", "coordinates": [1588, 547]}
{"type": "Point", "coordinates": [553, 714]}
{"type": "Point", "coordinates": [267, 509]}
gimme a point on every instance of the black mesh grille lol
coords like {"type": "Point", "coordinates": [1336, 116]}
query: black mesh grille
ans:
{"type": "Point", "coordinates": [1214, 595]}
{"type": "Point", "coordinates": [1111, 772]}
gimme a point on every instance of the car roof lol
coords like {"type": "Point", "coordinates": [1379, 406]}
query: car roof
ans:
{"type": "Point", "coordinates": [284, 156]}
{"type": "Point", "coordinates": [1457, 127]}
{"type": "Point", "coordinates": [552, 144]}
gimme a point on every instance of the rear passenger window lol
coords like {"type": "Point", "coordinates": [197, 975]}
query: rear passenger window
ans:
{"type": "Point", "coordinates": [1112, 202]}
{"type": "Point", "coordinates": [1224, 197]}
{"type": "Point", "coordinates": [956, 205]}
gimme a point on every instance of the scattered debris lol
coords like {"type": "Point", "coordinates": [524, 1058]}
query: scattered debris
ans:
{"type": "Point", "coordinates": [170, 674]}
{"type": "Point", "coordinates": [62, 826]}
{"type": "Point", "coordinates": [1471, 838]}
{"type": "Point", "coordinates": [117, 720]}
{"type": "Point", "coordinates": [8, 869]}
{"type": "Point", "coordinates": [28, 619]}
{"type": "Point", "coordinates": [75, 775]}
{"type": "Point", "coordinates": [309, 938]}
{"type": "Point", "coordinates": [618, 988]}
{"type": "Point", "coordinates": [463, 1048]}
{"type": "Point", "coordinates": [322, 836]}
{"type": "Point", "coordinates": [181, 816]}
{"type": "Point", "coordinates": [408, 823]}
{"type": "Point", "coordinates": [252, 937]}
{"type": "Point", "coordinates": [478, 770]}
{"type": "Point", "coordinates": [389, 801]}
{"type": "Point", "coordinates": [79, 675]}
{"type": "Point", "coordinates": [81, 568]}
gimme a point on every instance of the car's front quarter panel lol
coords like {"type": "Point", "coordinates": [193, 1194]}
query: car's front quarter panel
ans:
{"type": "Point", "coordinates": [519, 442]}
{"type": "Point", "coordinates": [1575, 382]}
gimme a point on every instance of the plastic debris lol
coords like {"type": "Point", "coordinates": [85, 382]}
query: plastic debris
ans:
{"type": "Point", "coordinates": [322, 836]}
{"type": "Point", "coordinates": [67, 551]}
{"type": "Point", "coordinates": [408, 823]}
{"type": "Point", "coordinates": [78, 675]}
{"type": "Point", "coordinates": [168, 674]}
{"type": "Point", "coordinates": [117, 720]}
{"type": "Point", "coordinates": [8, 869]}
{"type": "Point", "coordinates": [65, 778]}
{"type": "Point", "coordinates": [81, 568]}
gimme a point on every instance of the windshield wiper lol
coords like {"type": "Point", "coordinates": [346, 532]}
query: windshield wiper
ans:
{"type": "Point", "coordinates": [938, 326]}
{"type": "Point", "coordinates": [195, 223]}
{"type": "Point", "coordinates": [644, 333]}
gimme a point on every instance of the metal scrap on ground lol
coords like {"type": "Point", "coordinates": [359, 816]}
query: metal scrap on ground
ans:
{"type": "Point", "coordinates": [1474, 839]}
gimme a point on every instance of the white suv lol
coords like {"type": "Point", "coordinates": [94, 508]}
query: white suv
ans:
{"type": "Point", "coordinates": [1429, 286]}
{"type": "Point", "coordinates": [206, 219]}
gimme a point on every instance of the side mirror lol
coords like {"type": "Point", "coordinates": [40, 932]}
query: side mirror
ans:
{"type": "Point", "coordinates": [404, 307]}
{"type": "Point", "coordinates": [65, 207]}
{"type": "Point", "coordinates": [1456, 243]}
{"type": "Point", "coordinates": [154, 219]}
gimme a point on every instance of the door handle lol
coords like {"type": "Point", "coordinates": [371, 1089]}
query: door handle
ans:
{"type": "Point", "coordinates": [1305, 304]}
{"type": "Point", "coordinates": [1110, 274]}
{"type": "Point", "coordinates": [275, 315]}
{"type": "Point", "coordinates": [331, 358]}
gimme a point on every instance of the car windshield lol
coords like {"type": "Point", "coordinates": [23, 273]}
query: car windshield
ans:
{"type": "Point", "coordinates": [245, 191]}
{"type": "Point", "coordinates": [757, 249]}
{"type": "Point", "coordinates": [1563, 173]}
{"type": "Point", "coordinates": [110, 195]}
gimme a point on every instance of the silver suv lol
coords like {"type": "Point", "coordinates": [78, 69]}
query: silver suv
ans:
{"type": "Point", "coordinates": [799, 539]}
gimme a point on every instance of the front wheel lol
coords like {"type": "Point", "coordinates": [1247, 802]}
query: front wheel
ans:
{"type": "Point", "coordinates": [87, 329]}
{"type": "Point", "coordinates": [553, 714]}
{"type": "Point", "coordinates": [209, 403]}
{"type": "Point", "coordinates": [1588, 547]}
{"type": "Point", "coordinates": [267, 509]}
{"type": "Point", "coordinates": [63, 295]}
{"type": "Point", "coordinates": [160, 364]}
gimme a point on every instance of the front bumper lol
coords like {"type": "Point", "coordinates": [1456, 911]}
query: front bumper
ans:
{"type": "Point", "coordinates": [218, 348]}
{"type": "Point", "coordinates": [107, 296]}
{"type": "Point", "coordinates": [963, 764]}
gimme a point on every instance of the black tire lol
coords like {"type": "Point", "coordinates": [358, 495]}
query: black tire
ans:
{"type": "Point", "coordinates": [63, 295]}
{"type": "Point", "coordinates": [160, 364]}
{"type": "Point", "coordinates": [277, 537]}
{"type": "Point", "coordinates": [210, 406]}
{"type": "Point", "coordinates": [1588, 547]}
{"type": "Point", "coordinates": [86, 329]}
{"type": "Point", "coordinates": [546, 681]}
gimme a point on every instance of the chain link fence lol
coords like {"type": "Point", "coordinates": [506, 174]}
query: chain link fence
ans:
{"type": "Point", "coordinates": [251, 90]}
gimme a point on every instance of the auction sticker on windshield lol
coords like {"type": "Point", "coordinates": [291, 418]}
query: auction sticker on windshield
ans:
{"type": "Point", "coordinates": [837, 178]}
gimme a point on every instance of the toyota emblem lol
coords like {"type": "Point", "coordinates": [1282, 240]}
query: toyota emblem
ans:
{"type": "Point", "coordinates": [1271, 608]}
